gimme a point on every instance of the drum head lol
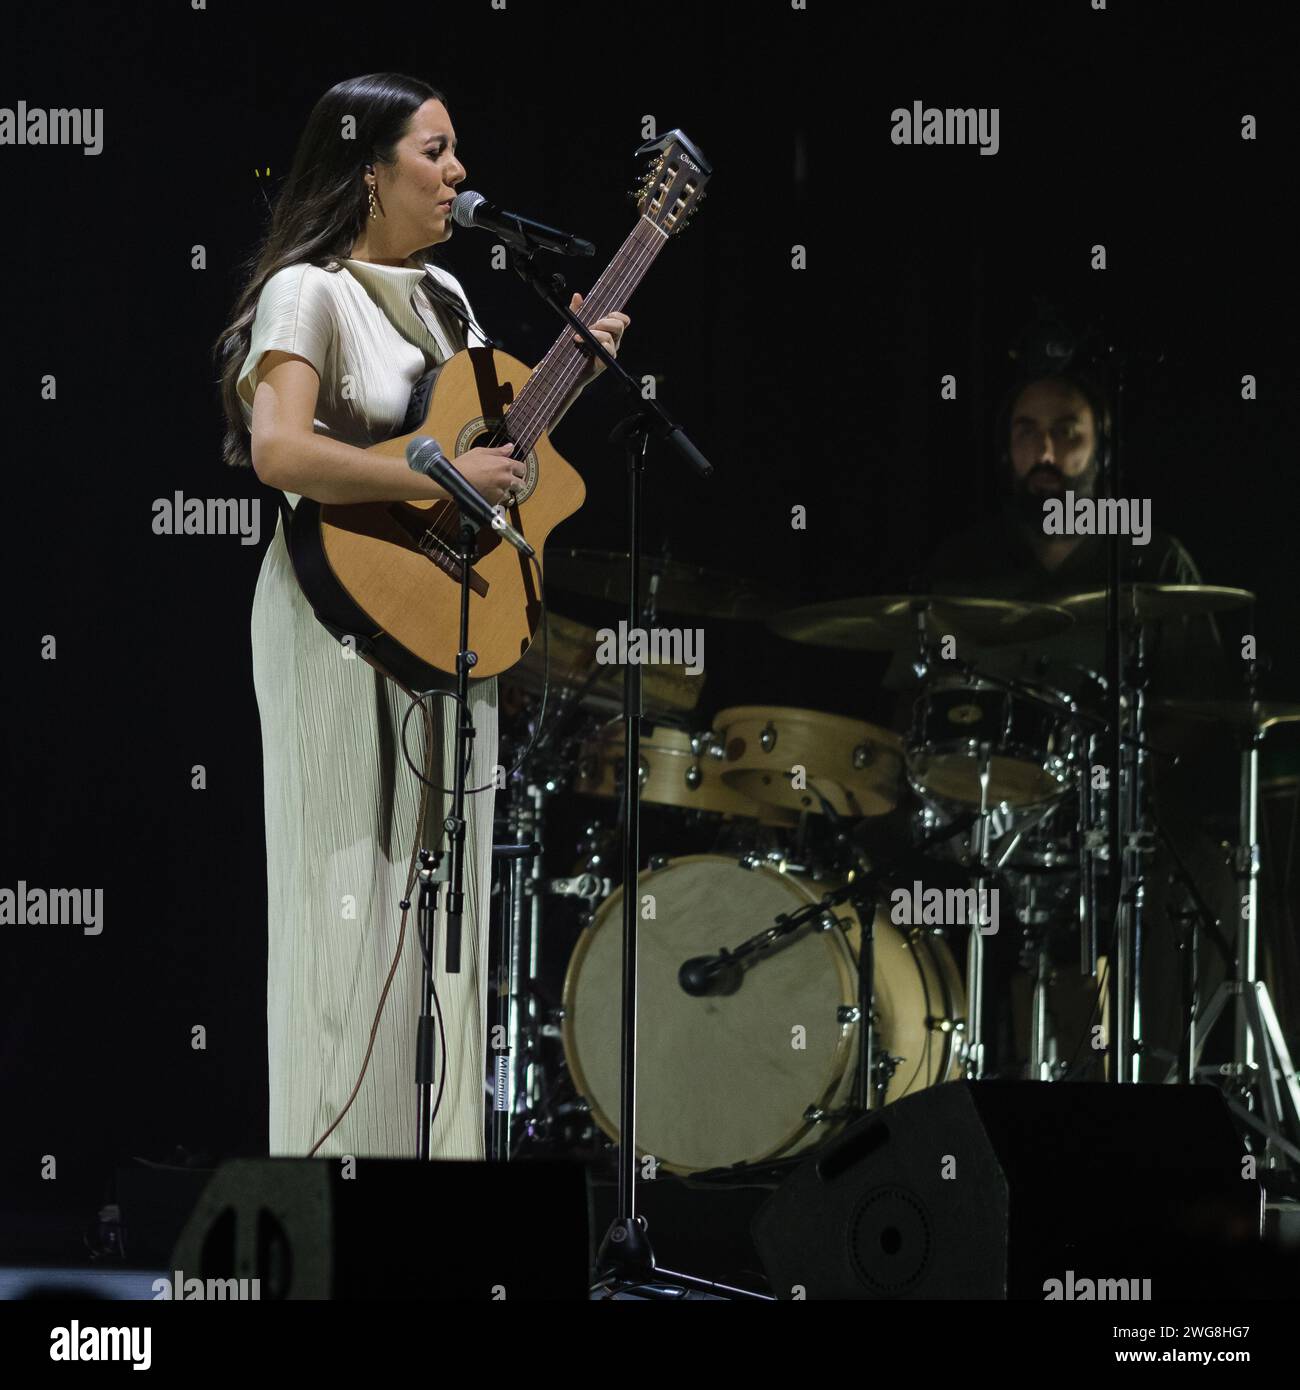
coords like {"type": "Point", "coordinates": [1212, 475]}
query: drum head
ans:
{"type": "Point", "coordinates": [959, 722]}
{"type": "Point", "coordinates": [723, 1078]}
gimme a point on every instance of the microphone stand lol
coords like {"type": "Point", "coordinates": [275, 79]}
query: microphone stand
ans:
{"type": "Point", "coordinates": [625, 1254]}
{"type": "Point", "coordinates": [430, 874]}
{"type": "Point", "coordinates": [454, 824]}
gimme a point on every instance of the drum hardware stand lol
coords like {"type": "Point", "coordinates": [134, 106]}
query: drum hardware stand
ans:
{"type": "Point", "coordinates": [1200, 916]}
{"type": "Point", "coordinates": [1005, 852]}
{"type": "Point", "coordinates": [1261, 1062]}
{"type": "Point", "coordinates": [1042, 1057]}
{"type": "Point", "coordinates": [1136, 846]}
{"type": "Point", "coordinates": [843, 854]}
{"type": "Point", "coordinates": [975, 946]}
{"type": "Point", "coordinates": [517, 1022]}
{"type": "Point", "coordinates": [518, 1097]}
{"type": "Point", "coordinates": [974, 1040]}
{"type": "Point", "coordinates": [514, 1016]}
{"type": "Point", "coordinates": [1092, 840]}
{"type": "Point", "coordinates": [974, 1061]}
{"type": "Point", "coordinates": [592, 888]}
{"type": "Point", "coordinates": [1127, 840]}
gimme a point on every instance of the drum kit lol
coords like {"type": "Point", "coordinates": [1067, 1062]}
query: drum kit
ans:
{"type": "Point", "coordinates": [767, 1016]}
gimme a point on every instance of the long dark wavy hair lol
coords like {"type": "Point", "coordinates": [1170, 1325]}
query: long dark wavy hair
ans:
{"type": "Point", "coordinates": [319, 213]}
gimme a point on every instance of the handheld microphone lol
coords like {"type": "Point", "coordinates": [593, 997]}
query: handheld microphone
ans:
{"type": "Point", "coordinates": [474, 210]}
{"type": "Point", "coordinates": [425, 456]}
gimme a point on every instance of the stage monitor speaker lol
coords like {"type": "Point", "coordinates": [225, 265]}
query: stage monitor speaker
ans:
{"type": "Point", "coordinates": [993, 1189]}
{"type": "Point", "coordinates": [329, 1228]}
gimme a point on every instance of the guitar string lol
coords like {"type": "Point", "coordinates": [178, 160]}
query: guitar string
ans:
{"type": "Point", "coordinates": [443, 527]}
{"type": "Point", "coordinates": [633, 263]}
{"type": "Point", "coordinates": [628, 271]}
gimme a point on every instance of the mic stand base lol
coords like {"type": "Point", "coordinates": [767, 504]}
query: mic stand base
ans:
{"type": "Point", "coordinates": [626, 1261]}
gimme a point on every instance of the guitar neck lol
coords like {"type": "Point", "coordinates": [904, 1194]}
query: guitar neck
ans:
{"type": "Point", "coordinates": [555, 376]}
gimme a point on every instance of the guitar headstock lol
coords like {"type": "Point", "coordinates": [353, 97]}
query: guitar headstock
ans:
{"type": "Point", "coordinates": [673, 186]}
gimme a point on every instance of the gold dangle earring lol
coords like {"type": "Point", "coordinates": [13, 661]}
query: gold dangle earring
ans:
{"type": "Point", "coordinates": [375, 202]}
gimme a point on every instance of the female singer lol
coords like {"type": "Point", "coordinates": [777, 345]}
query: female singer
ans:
{"type": "Point", "coordinates": [341, 315]}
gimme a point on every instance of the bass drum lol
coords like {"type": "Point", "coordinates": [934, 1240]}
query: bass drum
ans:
{"type": "Point", "coordinates": [727, 1078]}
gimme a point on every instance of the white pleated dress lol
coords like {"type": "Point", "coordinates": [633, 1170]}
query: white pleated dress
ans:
{"type": "Point", "coordinates": [341, 802]}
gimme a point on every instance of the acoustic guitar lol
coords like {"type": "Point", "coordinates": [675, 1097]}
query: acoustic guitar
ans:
{"type": "Point", "coordinates": [385, 575]}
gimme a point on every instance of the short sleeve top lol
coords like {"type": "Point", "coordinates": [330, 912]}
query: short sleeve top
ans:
{"type": "Point", "coordinates": [367, 333]}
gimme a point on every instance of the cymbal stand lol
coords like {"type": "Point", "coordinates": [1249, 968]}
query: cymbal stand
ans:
{"type": "Point", "coordinates": [973, 1064]}
{"type": "Point", "coordinates": [1261, 1062]}
{"type": "Point", "coordinates": [516, 1023]}
{"type": "Point", "coordinates": [1133, 842]}
{"type": "Point", "coordinates": [1092, 844]}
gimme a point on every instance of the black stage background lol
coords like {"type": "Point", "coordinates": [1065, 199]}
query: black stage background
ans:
{"type": "Point", "coordinates": [817, 387]}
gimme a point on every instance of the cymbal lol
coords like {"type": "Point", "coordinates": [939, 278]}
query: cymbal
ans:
{"type": "Point", "coordinates": [1244, 714]}
{"type": "Point", "coordinates": [682, 587]}
{"type": "Point", "coordinates": [1147, 602]}
{"type": "Point", "coordinates": [883, 622]}
{"type": "Point", "coordinates": [667, 688]}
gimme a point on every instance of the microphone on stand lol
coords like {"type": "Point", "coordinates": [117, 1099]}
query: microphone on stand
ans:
{"type": "Point", "coordinates": [720, 974]}
{"type": "Point", "coordinates": [474, 210]}
{"type": "Point", "coordinates": [425, 456]}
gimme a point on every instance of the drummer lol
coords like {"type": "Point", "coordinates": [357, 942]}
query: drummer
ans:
{"type": "Point", "coordinates": [1050, 433]}
{"type": "Point", "coordinates": [1050, 439]}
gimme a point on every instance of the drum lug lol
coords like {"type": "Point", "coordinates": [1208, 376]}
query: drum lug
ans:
{"type": "Point", "coordinates": [706, 745]}
{"type": "Point", "coordinates": [847, 1013]}
{"type": "Point", "coordinates": [886, 1065]}
{"type": "Point", "coordinates": [768, 737]}
{"type": "Point", "coordinates": [657, 861]}
{"type": "Point", "coordinates": [863, 756]}
{"type": "Point", "coordinates": [694, 776]}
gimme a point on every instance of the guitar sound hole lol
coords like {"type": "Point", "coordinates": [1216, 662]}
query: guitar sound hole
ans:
{"type": "Point", "coordinates": [493, 436]}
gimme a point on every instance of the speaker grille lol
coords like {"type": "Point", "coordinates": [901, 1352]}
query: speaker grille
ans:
{"type": "Point", "coordinates": [889, 1240]}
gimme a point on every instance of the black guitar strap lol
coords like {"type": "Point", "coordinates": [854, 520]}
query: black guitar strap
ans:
{"type": "Point", "coordinates": [418, 406]}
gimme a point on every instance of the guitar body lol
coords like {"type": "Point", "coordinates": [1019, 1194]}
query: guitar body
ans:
{"type": "Point", "coordinates": [385, 573]}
